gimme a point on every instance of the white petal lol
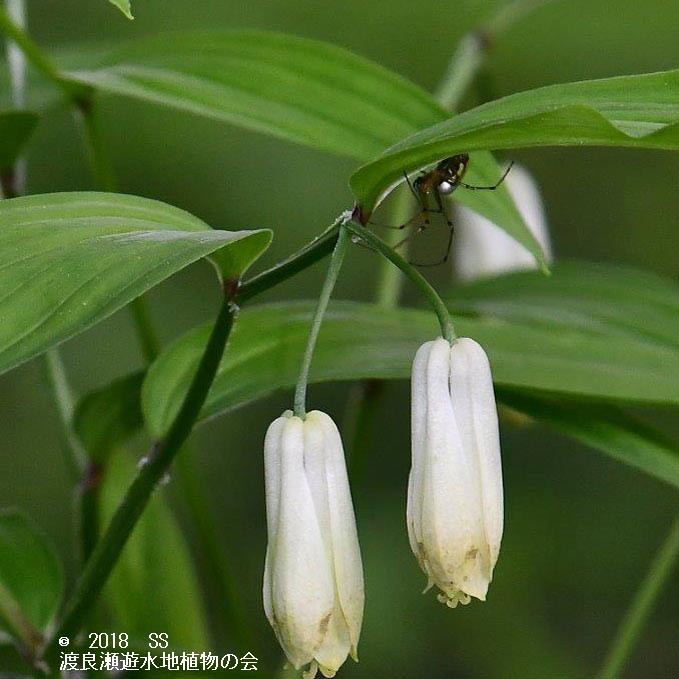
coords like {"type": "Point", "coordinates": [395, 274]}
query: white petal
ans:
{"type": "Point", "coordinates": [483, 249]}
{"type": "Point", "coordinates": [315, 469]}
{"type": "Point", "coordinates": [451, 517]}
{"type": "Point", "coordinates": [272, 472]}
{"type": "Point", "coordinates": [418, 438]}
{"type": "Point", "coordinates": [266, 591]}
{"type": "Point", "coordinates": [474, 404]}
{"type": "Point", "coordinates": [302, 584]}
{"type": "Point", "coordinates": [345, 548]}
{"type": "Point", "coordinates": [336, 645]}
{"type": "Point", "coordinates": [272, 482]}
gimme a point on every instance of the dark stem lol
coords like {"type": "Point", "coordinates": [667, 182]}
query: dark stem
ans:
{"type": "Point", "coordinates": [155, 466]}
{"type": "Point", "coordinates": [89, 509]}
{"type": "Point", "coordinates": [8, 183]}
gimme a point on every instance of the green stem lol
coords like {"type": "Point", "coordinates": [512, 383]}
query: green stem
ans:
{"type": "Point", "coordinates": [324, 298]}
{"type": "Point", "coordinates": [108, 549]}
{"type": "Point", "coordinates": [105, 180]}
{"type": "Point", "coordinates": [37, 57]}
{"type": "Point", "coordinates": [13, 616]}
{"type": "Point", "coordinates": [16, 65]}
{"type": "Point", "coordinates": [411, 272]}
{"type": "Point", "coordinates": [463, 67]}
{"type": "Point", "coordinates": [98, 151]}
{"type": "Point", "coordinates": [642, 605]}
{"type": "Point", "coordinates": [390, 279]}
{"type": "Point", "coordinates": [316, 249]}
{"type": "Point", "coordinates": [146, 333]}
{"type": "Point", "coordinates": [15, 180]}
{"type": "Point", "coordinates": [471, 54]}
{"type": "Point", "coordinates": [510, 14]}
{"type": "Point", "coordinates": [63, 399]}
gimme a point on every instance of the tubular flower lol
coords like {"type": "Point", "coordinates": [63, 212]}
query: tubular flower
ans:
{"type": "Point", "coordinates": [484, 249]}
{"type": "Point", "coordinates": [455, 512]}
{"type": "Point", "coordinates": [313, 576]}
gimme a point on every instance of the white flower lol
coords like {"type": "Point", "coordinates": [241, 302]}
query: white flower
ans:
{"type": "Point", "coordinates": [455, 513]}
{"type": "Point", "coordinates": [484, 249]}
{"type": "Point", "coordinates": [313, 577]}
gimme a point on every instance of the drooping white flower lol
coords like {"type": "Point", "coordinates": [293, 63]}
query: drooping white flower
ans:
{"type": "Point", "coordinates": [313, 576]}
{"type": "Point", "coordinates": [455, 506]}
{"type": "Point", "coordinates": [484, 249]}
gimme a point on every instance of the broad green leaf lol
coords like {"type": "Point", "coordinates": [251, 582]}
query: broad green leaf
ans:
{"type": "Point", "coordinates": [305, 91]}
{"type": "Point", "coordinates": [15, 129]}
{"type": "Point", "coordinates": [31, 578]}
{"type": "Point", "coordinates": [123, 6]}
{"type": "Point", "coordinates": [153, 587]}
{"type": "Point", "coordinates": [639, 111]}
{"type": "Point", "coordinates": [592, 297]}
{"type": "Point", "coordinates": [595, 360]}
{"type": "Point", "coordinates": [107, 417]}
{"type": "Point", "coordinates": [71, 259]}
{"type": "Point", "coordinates": [605, 428]}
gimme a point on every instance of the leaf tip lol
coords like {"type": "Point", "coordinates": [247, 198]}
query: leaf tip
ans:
{"type": "Point", "coordinates": [124, 7]}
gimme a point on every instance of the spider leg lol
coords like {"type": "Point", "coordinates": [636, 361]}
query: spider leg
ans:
{"type": "Point", "coordinates": [403, 241]}
{"type": "Point", "coordinates": [417, 194]}
{"type": "Point", "coordinates": [422, 213]}
{"type": "Point", "coordinates": [403, 226]}
{"type": "Point", "coordinates": [494, 186]}
{"type": "Point", "coordinates": [451, 231]}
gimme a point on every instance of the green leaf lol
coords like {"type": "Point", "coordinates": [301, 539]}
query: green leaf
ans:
{"type": "Point", "coordinates": [590, 297]}
{"type": "Point", "coordinates": [31, 578]}
{"type": "Point", "coordinates": [605, 428]}
{"type": "Point", "coordinates": [595, 358]}
{"type": "Point", "coordinates": [123, 6]}
{"type": "Point", "coordinates": [107, 417]}
{"type": "Point", "coordinates": [305, 91]}
{"type": "Point", "coordinates": [153, 587]}
{"type": "Point", "coordinates": [71, 259]}
{"type": "Point", "coordinates": [15, 129]}
{"type": "Point", "coordinates": [639, 111]}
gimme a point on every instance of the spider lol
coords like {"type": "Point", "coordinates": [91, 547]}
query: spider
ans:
{"type": "Point", "coordinates": [438, 182]}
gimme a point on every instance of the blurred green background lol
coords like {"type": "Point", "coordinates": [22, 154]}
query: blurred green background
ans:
{"type": "Point", "coordinates": [580, 528]}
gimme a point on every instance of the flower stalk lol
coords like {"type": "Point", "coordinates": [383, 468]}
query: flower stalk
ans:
{"type": "Point", "coordinates": [376, 243]}
{"type": "Point", "coordinates": [321, 307]}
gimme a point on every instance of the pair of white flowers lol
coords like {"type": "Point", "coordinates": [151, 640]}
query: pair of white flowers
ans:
{"type": "Point", "coordinates": [313, 578]}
